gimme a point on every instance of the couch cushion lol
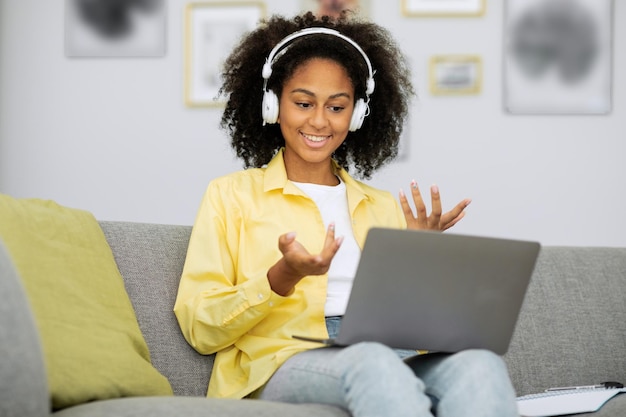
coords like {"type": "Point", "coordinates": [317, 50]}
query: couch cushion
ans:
{"type": "Point", "coordinates": [93, 347]}
{"type": "Point", "coordinates": [150, 258]}
{"type": "Point", "coordinates": [23, 389]}
{"type": "Point", "coordinates": [198, 407]}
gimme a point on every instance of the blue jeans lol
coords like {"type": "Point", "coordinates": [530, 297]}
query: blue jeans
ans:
{"type": "Point", "coordinates": [370, 379]}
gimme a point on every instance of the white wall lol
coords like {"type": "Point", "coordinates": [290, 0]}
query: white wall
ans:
{"type": "Point", "coordinates": [114, 137]}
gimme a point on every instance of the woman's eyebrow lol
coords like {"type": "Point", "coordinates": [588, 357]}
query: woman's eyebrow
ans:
{"type": "Point", "coordinates": [303, 90]}
{"type": "Point", "coordinates": [312, 94]}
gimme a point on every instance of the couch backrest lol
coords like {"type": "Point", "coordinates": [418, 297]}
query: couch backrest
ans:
{"type": "Point", "coordinates": [150, 258]}
{"type": "Point", "coordinates": [571, 330]}
{"type": "Point", "coordinates": [572, 327]}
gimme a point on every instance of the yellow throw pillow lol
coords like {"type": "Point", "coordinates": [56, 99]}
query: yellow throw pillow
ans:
{"type": "Point", "coordinates": [93, 347]}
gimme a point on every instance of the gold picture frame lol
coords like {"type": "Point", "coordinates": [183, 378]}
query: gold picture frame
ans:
{"type": "Point", "coordinates": [443, 8]}
{"type": "Point", "coordinates": [211, 31]}
{"type": "Point", "coordinates": [455, 74]}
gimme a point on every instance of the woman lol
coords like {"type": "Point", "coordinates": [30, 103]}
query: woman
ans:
{"type": "Point", "coordinates": [274, 247]}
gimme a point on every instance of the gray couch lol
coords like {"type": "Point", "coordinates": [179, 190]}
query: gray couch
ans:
{"type": "Point", "coordinates": [572, 331]}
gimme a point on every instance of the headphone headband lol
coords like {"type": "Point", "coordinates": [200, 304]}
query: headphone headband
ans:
{"type": "Point", "coordinates": [274, 54]}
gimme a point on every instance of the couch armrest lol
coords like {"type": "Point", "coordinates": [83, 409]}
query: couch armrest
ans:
{"type": "Point", "coordinates": [23, 383]}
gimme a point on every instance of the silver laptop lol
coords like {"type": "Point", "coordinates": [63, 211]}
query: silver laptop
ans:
{"type": "Point", "coordinates": [437, 291]}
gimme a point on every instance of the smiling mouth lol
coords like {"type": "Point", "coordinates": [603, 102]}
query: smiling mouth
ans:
{"type": "Point", "coordinates": [314, 138]}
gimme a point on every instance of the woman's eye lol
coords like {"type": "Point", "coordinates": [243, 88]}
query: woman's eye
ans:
{"type": "Point", "coordinates": [336, 109]}
{"type": "Point", "coordinates": [304, 105]}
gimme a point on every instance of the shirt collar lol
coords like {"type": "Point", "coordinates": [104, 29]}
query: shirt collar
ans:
{"type": "Point", "coordinates": [276, 178]}
{"type": "Point", "coordinates": [275, 174]}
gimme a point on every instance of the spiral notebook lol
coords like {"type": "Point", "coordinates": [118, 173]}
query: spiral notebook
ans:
{"type": "Point", "coordinates": [562, 402]}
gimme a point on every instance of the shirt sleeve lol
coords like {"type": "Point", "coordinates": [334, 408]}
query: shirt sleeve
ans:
{"type": "Point", "coordinates": [214, 307]}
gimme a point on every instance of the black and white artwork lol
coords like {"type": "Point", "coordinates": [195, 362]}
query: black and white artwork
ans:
{"type": "Point", "coordinates": [557, 56]}
{"type": "Point", "coordinates": [212, 30]}
{"type": "Point", "coordinates": [115, 28]}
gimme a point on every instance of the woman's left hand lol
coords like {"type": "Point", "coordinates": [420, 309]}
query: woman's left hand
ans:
{"type": "Point", "coordinates": [434, 221]}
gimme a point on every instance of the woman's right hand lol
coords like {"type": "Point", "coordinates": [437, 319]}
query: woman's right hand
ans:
{"type": "Point", "coordinates": [297, 262]}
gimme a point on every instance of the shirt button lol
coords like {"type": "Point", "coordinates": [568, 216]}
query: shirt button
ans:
{"type": "Point", "coordinates": [271, 304]}
{"type": "Point", "coordinates": [260, 296]}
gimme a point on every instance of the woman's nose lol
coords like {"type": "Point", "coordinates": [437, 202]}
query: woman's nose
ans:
{"type": "Point", "coordinates": [318, 117]}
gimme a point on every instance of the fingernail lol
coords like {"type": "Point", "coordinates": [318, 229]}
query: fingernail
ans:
{"type": "Point", "coordinates": [413, 184]}
{"type": "Point", "coordinates": [401, 193]}
{"type": "Point", "coordinates": [331, 227]}
{"type": "Point", "coordinates": [434, 189]}
{"type": "Point", "coordinates": [291, 235]}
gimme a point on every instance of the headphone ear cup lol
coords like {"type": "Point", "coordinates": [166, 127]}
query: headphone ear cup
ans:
{"type": "Point", "coordinates": [358, 114]}
{"type": "Point", "coordinates": [269, 111]}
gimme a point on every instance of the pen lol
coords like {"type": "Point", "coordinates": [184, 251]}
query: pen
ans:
{"type": "Point", "coordinates": [606, 385]}
{"type": "Point", "coordinates": [575, 387]}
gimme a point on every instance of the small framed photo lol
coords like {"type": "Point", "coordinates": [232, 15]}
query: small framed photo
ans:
{"type": "Point", "coordinates": [335, 7]}
{"type": "Point", "coordinates": [443, 8]}
{"type": "Point", "coordinates": [212, 29]}
{"type": "Point", "coordinates": [455, 74]}
{"type": "Point", "coordinates": [558, 57]}
{"type": "Point", "coordinates": [109, 29]}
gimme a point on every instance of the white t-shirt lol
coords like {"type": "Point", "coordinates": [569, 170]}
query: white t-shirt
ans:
{"type": "Point", "coordinates": [332, 203]}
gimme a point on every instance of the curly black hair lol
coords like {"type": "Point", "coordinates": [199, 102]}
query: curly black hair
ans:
{"type": "Point", "coordinates": [366, 149]}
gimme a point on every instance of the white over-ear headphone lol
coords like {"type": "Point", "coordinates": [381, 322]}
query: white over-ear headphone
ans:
{"type": "Point", "coordinates": [270, 100]}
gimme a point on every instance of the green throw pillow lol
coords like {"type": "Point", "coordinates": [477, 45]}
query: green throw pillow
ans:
{"type": "Point", "coordinates": [93, 347]}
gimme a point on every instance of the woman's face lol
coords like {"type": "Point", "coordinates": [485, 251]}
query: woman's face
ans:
{"type": "Point", "coordinates": [315, 110]}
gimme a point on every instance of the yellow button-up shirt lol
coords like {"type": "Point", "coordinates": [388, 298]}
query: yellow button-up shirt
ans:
{"type": "Point", "coordinates": [225, 303]}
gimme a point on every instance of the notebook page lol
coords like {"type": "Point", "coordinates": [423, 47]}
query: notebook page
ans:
{"type": "Point", "coordinates": [556, 403]}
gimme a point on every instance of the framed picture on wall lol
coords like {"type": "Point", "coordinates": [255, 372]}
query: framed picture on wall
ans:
{"type": "Point", "coordinates": [104, 28]}
{"type": "Point", "coordinates": [334, 7]}
{"type": "Point", "coordinates": [558, 56]}
{"type": "Point", "coordinates": [443, 8]}
{"type": "Point", "coordinates": [455, 74]}
{"type": "Point", "coordinates": [211, 31]}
